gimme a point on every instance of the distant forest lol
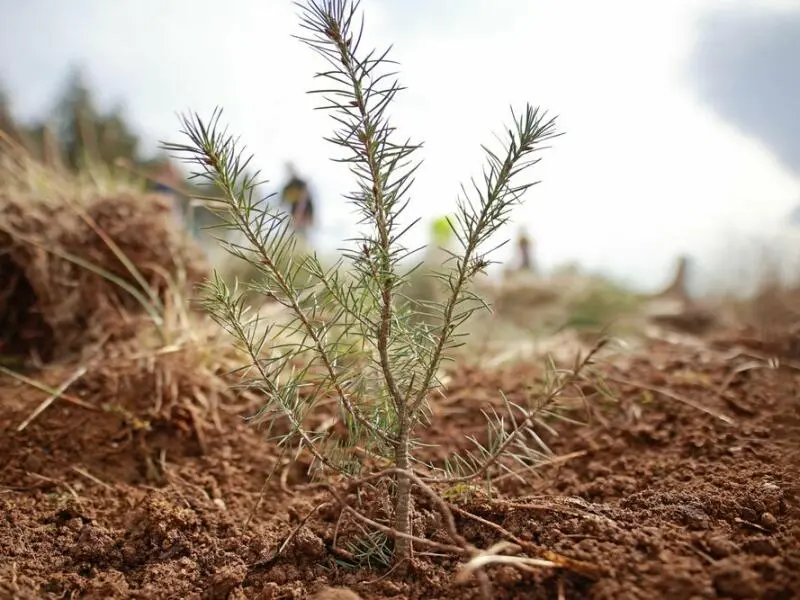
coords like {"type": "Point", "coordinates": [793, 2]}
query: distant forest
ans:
{"type": "Point", "coordinates": [75, 135]}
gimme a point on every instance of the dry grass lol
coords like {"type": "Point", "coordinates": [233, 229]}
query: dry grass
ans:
{"type": "Point", "coordinates": [769, 320]}
{"type": "Point", "coordinates": [97, 279]}
{"type": "Point", "coordinates": [81, 257]}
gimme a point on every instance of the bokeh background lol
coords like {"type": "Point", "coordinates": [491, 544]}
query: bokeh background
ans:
{"type": "Point", "coordinates": [680, 118]}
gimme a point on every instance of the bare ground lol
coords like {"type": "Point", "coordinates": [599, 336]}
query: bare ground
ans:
{"type": "Point", "coordinates": [686, 487]}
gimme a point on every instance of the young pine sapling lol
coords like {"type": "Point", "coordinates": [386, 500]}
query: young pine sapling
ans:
{"type": "Point", "coordinates": [355, 335]}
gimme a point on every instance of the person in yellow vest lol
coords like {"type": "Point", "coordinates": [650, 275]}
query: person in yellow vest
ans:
{"type": "Point", "coordinates": [296, 197]}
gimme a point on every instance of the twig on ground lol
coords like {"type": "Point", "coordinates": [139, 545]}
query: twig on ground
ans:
{"type": "Point", "coordinates": [673, 396]}
{"type": "Point", "coordinates": [338, 526]}
{"type": "Point", "coordinates": [92, 478]}
{"type": "Point", "coordinates": [559, 560]}
{"type": "Point", "coordinates": [753, 525]}
{"type": "Point", "coordinates": [706, 557]}
{"type": "Point", "coordinates": [498, 528]}
{"type": "Point", "coordinates": [722, 390]}
{"type": "Point", "coordinates": [384, 576]}
{"type": "Point", "coordinates": [492, 556]}
{"type": "Point", "coordinates": [302, 522]}
{"type": "Point", "coordinates": [478, 564]}
{"type": "Point", "coordinates": [263, 489]}
{"type": "Point", "coordinates": [53, 396]}
{"type": "Point", "coordinates": [552, 506]}
{"type": "Point", "coordinates": [57, 483]}
{"type": "Point", "coordinates": [284, 478]}
{"type": "Point", "coordinates": [47, 389]}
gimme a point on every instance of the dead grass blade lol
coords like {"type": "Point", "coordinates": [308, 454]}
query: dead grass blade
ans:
{"type": "Point", "coordinates": [672, 396]}
{"type": "Point", "coordinates": [492, 556]}
{"type": "Point", "coordinates": [92, 478]}
{"type": "Point", "coordinates": [151, 310]}
{"type": "Point", "coordinates": [54, 393]}
{"type": "Point", "coordinates": [77, 374]}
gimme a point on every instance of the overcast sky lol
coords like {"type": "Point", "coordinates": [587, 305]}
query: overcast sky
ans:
{"type": "Point", "coordinates": [680, 115]}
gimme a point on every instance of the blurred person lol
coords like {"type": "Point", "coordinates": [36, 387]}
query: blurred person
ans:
{"type": "Point", "coordinates": [296, 197]}
{"type": "Point", "coordinates": [165, 178]}
{"type": "Point", "coordinates": [525, 247]}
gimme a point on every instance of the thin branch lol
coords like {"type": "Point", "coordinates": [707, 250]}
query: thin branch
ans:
{"type": "Point", "coordinates": [673, 396]}
{"type": "Point", "coordinates": [526, 423]}
{"type": "Point", "coordinates": [296, 530]}
{"type": "Point", "coordinates": [478, 227]}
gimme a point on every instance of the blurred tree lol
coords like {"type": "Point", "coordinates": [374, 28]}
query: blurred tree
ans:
{"type": "Point", "coordinates": [77, 134]}
{"type": "Point", "coordinates": [88, 136]}
{"type": "Point", "coordinates": [8, 124]}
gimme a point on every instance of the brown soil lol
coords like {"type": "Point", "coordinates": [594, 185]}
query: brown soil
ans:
{"type": "Point", "coordinates": [686, 487]}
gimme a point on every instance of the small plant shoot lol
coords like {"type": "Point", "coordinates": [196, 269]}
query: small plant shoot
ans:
{"type": "Point", "coordinates": [352, 339]}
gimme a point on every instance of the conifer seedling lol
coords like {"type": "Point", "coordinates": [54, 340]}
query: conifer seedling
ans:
{"type": "Point", "coordinates": [353, 335]}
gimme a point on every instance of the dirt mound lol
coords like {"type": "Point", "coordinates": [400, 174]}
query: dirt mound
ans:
{"type": "Point", "coordinates": [769, 322]}
{"type": "Point", "coordinates": [686, 486]}
{"type": "Point", "coordinates": [70, 271]}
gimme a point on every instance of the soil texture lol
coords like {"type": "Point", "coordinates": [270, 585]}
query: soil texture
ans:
{"type": "Point", "coordinates": [683, 485]}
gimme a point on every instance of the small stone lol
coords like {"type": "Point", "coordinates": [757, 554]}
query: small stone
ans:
{"type": "Point", "coordinates": [768, 521]}
{"type": "Point", "coordinates": [330, 593]}
{"type": "Point", "coordinates": [75, 524]}
{"type": "Point", "coordinates": [307, 545]}
{"type": "Point", "coordinates": [720, 547]}
{"type": "Point", "coordinates": [695, 518]}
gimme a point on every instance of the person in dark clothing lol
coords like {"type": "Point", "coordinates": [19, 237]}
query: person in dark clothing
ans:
{"type": "Point", "coordinates": [166, 179]}
{"type": "Point", "coordinates": [296, 197]}
{"type": "Point", "coordinates": [525, 248]}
